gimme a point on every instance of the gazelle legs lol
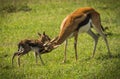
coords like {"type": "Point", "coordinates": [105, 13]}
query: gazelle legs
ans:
{"type": "Point", "coordinates": [66, 43]}
{"type": "Point", "coordinates": [95, 37]}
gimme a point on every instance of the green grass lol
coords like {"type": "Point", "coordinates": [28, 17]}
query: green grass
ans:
{"type": "Point", "coordinates": [47, 16]}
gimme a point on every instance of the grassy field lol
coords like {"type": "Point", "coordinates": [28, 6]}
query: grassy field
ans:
{"type": "Point", "coordinates": [47, 16]}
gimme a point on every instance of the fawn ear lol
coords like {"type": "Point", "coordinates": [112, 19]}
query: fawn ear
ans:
{"type": "Point", "coordinates": [44, 33]}
{"type": "Point", "coordinates": [39, 34]}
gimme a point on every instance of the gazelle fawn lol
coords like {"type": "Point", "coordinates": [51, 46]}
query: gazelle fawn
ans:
{"type": "Point", "coordinates": [27, 45]}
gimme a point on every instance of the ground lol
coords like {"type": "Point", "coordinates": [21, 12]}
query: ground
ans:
{"type": "Point", "coordinates": [25, 19]}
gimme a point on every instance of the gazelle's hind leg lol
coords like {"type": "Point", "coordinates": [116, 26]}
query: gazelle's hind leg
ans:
{"type": "Point", "coordinates": [41, 59]}
{"type": "Point", "coordinates": [36, 55]}
{"type": "Point", "coordinates": [95, 37]}
{"type": "Point", "coordinates": [105, 39]}
{"type": "Point", "coordinates": [96, 22]}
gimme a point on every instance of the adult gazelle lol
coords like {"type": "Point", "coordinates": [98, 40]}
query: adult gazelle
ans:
{"type": "Point", "coordinates": [79, 21]}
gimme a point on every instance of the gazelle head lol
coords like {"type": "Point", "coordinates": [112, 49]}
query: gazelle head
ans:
{"type": "Point", "coordinates": [44, 38]}
{"type": "Point", "coordinates": [50, 45]}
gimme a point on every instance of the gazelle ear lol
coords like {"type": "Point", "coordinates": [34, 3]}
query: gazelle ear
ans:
{"type": "Point", "coordinates": [44, 33]}
{"type": "Point", "coordinates": [54, 39]}
{"type": "Point", "coordinates": [39, 34]}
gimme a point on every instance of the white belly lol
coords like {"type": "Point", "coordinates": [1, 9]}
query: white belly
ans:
{"type": "Point", "coordinates": [85, 28]}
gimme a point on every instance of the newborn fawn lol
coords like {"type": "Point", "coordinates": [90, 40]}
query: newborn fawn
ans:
{"type": "Point", "coordinates": [27, 45]}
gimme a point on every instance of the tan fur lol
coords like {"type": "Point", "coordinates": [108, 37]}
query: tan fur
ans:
{"type": "Point", "coordinates": [70, 24]}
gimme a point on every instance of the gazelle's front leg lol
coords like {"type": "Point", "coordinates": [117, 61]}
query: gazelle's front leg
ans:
{"type": "Point", "coordinates": [19, 59]}
{"type": "Point", "coordinates": [75, 44]}
{"type": "Point", "coordinates": [15, 54]}
{"type": "Point", "coordinates": [65, 51]}
{"type": "Point", "coordinates": [19, 56]}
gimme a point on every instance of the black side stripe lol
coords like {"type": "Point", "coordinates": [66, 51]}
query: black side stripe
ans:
{"type": "Point", "coordinates": [84, 22]}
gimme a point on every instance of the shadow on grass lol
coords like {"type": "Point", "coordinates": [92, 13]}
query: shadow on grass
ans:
{"type": "Point", "coordinates": [102, 57]}
{"type": "Point", "coordinates": [7, 71]}
{"type": "Point", "coordinates": [106, 57]}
